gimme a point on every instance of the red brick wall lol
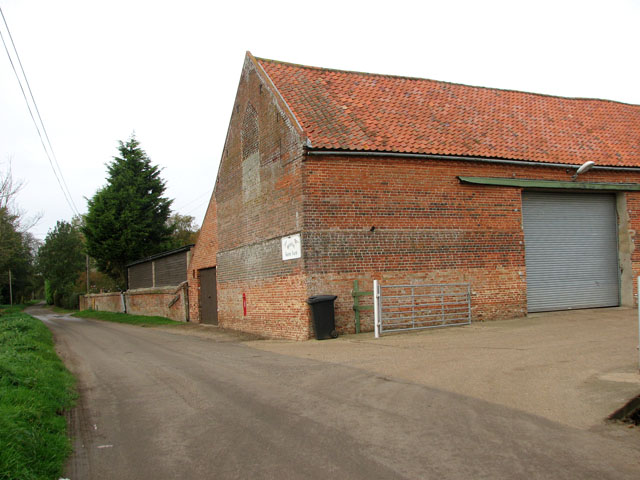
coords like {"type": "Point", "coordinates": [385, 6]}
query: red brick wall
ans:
{"type": "Point", "coordinates": [633, 209]}
{"type": "Point", "coordinates": [103, 302]}
{"type": "Point", "coordinates": [429, 228]}
{"type": "Point", "coordinates": [203, 255]}
{"type": "Point", "coordinates": [147, 301]}
{"type": "Point", "coordinates": [156, 302]}
{"type": "Point", "coordinates": [275, 307]}
{"type": "Point", "coordinates": [259, 200]}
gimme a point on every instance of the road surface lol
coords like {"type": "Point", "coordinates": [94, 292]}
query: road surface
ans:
{"type": "Point", "coordinates": [159, 405]}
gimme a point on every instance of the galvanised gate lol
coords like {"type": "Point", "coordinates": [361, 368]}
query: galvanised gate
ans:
{"type": "Point", "coordinates": [415, 307]}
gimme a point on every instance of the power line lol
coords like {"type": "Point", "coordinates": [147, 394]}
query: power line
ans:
{"type": "Point", "coordinates": [208, 192]}
{"type": "Point", "coordinates": [200, 205]}
{"type": "Point", "coordinates": [66, 193]}
{"type": "Point", "coordinates": [38, 112]}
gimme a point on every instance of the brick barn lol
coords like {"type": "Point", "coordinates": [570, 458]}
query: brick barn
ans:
{"type": "Point", "coordinates": [329, 176]}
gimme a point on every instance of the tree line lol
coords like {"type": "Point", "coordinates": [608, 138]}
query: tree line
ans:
{"type": "Point", "coordinates": [129, 218]}
{"type": "Point", "coordinates": [17, 246]}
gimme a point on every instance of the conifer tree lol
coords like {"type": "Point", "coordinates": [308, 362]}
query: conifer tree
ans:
{"type": "Point", "coordinates": [127, 218]}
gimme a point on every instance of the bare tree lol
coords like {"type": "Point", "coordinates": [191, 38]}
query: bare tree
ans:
{"type": "Point", "coordinates": [16, 243]}
{"type": "Point", "coordinates": [9, 189]}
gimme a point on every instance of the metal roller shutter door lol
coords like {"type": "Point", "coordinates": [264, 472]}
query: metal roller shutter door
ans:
{"type": "Point", "coordinates": [571, 250]}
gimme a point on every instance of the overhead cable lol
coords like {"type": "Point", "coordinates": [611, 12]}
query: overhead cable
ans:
{"type": "Point", "coordinates": [58, 174]}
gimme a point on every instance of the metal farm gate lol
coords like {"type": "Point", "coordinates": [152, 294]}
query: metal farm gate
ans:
{"type": "Point", "coordinates": [415, 307]}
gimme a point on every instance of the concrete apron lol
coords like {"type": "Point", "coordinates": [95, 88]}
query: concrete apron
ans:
{"type": "Point", "coordinates": [573, 367]}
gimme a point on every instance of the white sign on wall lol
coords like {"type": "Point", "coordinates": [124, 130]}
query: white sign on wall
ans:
{"type": "Point", "coordinates": [291, 247]}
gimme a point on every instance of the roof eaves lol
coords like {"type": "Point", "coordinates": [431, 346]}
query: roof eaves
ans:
{"type": "Point", "coordinates": [462, 158]}
{"type": "Point", "coordinates": [160, 255]}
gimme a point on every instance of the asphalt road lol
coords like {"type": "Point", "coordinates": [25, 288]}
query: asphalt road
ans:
{"type": "Point", "coordinates": [158, 405]}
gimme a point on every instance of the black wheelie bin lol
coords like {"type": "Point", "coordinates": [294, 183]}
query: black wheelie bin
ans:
{"type": "Point", "coordinates": [322, 311]}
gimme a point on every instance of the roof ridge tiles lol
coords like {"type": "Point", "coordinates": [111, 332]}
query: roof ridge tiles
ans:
{"type": "Point", "coordinates": [344, 110]}
{"type": "Point", "coordinates": [445, 82]}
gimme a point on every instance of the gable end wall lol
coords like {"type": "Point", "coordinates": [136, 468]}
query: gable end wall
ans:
{"type": "Point", "coordinates": [259, 199]}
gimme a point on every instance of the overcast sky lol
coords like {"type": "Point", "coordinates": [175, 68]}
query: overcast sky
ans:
{"type": "Point", "coordinates": [169, 71]}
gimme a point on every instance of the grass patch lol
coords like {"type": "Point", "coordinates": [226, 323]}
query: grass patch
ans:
{"type": "Point", "coordinates": [60, 309]}
{"type": "Point", "coordinates": [15, 308]}
{"type": "Point", "coordinates": [35, 390]}
{"type": "Point", "coordinates": [10, 310]}
{"type": "Point", "coordinates": [125, 318]}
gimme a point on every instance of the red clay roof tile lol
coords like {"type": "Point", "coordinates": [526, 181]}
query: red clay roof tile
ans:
{"type": "Point", "coordinates": [360, 111]}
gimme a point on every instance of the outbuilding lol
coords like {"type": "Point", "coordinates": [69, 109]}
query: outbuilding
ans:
{"type": "Point", "coordinates": [331, 176]}
{"type": "Point", "coordinates": [156, 285]}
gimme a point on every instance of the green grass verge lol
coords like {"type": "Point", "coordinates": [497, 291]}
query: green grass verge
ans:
{"type": "Point", "coordinates": [60, 309]}
{"type": "Point", "coordinates": [10, 310]}
{"type": "Point", "coordinates": [16, 307]}
{"type": "Point", "coordinates": [125, 318]}
{"type": "Point", "coordinates": [35, 390]}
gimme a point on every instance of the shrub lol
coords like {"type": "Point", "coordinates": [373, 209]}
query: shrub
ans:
{"type": "Point", "coordinates": [48, 294]}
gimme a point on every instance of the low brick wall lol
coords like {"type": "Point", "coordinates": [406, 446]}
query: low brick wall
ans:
{"type": "Point", "coordinates": [170, 302]}
{"type": "Point", "coordinates": [102, 302]}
